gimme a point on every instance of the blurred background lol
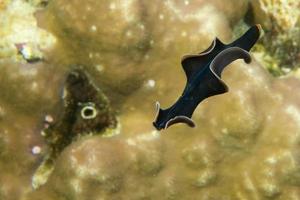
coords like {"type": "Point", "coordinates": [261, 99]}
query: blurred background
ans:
{"type": "Point", "coordinates": [246, 143]}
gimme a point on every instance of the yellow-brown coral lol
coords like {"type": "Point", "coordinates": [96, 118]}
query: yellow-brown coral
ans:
{"type": "Point", "coordinates": [246, 144]}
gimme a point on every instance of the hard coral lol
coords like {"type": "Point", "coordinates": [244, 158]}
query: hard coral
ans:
{"type": "Point", "coordinates": [280, 20]}
{"type": "Point", "coordinates": [248, 137]}
{"type": "Point", "coordinates": [117, 36]}
{"type": "Point", "coordinates": [246, 145]}
{"type": "Point", "coordinates": [18, 27]}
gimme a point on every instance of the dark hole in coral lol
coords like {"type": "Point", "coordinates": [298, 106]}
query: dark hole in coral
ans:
{"type": "Point", "coordinates": [88, 112]}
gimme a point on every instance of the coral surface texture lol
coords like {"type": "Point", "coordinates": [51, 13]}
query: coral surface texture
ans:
{"type": "Point", "coordinates": [78, 86]}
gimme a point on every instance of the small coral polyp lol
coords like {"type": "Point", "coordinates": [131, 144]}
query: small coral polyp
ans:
{"type": "Point", "coordinates": [89, 111]}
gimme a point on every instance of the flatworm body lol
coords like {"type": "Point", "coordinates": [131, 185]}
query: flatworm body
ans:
{"type": "Point", "coordinates": [203, 72]}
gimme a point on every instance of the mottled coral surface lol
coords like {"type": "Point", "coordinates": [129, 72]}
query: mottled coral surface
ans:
{"type": "Point", "coordinates": [280, 45]}
{"type": "Point", "coordinates": [245, 145]}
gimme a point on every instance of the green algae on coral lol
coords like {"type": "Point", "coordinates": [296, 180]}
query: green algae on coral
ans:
{"type": "Point", "coordinates": [86, 111]}
{"type": "Point", "coordinates": [281, 42]}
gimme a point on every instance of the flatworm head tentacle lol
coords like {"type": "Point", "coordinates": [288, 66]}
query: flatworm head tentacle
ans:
{"type": "Point", "coordinates": [157, 105]}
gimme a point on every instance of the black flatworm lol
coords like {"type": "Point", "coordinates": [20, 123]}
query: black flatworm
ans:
{"type": "Point", "coordinates": [203, 72]}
